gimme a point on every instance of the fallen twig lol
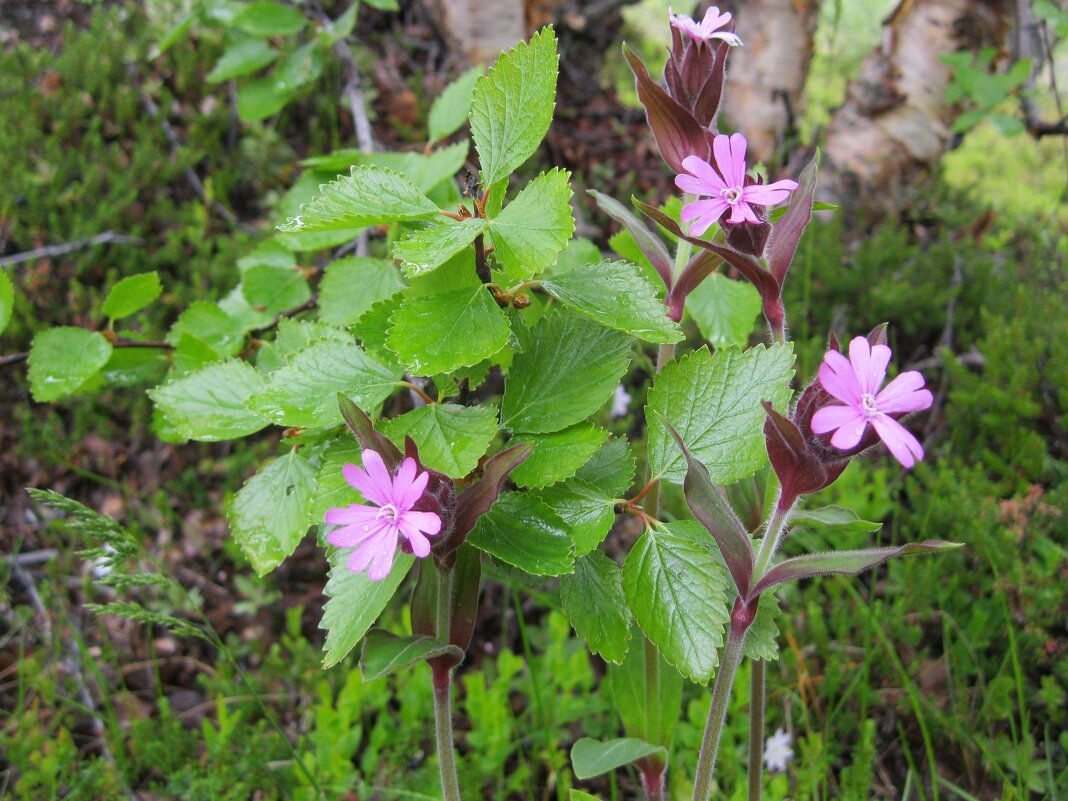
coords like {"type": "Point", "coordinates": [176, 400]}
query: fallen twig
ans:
{"type": "Point", "coordinates": [50, 251]}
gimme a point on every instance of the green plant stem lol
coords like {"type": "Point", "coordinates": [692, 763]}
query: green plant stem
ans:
{"type": "Point", "coordinates": [717, 714]}
{"type": "Point", "coordinates": [450, 784]}
{"type": "Point", "coordinates": [772, 535]}
{"type": "Point", "coordinates": [756, 730]}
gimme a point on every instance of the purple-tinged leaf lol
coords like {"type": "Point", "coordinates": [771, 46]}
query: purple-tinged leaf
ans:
{"type": "Point", "coordinates": [707, 104]}
{"type": "Point", "coordinates": [710, 506]}
{"type": "Point", "coordinates": [647, 241]}
{"type": "Point", "coordinates": [696, 64]}
{"type": "Point", "coordinates": [848, 563]}
{"type": "Point", "coordinates": [799, 469]}
{"type": "Point", "coordinates": [700, 267]}
{"type": "Point", "coordinates": [360, 425]}
{"type": "Point", "coordinates": [787, 231]}
{"type": "Point", "coordinates": [677, 133]}
{"type": "Point", "coordinates": [477, 499]}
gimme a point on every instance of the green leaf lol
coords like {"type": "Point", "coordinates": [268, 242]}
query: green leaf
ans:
{"type": "Point", "coordinates": [512, 106]}
{"type": "Point", "coordinates": [131, 295]}
{"type": "Point", "coordinates": [842, 521]}
{"type": "Point", "coordinates": [588, 511]}
{"type": "Point", "coordinates": [240, 59]}
{"type": "Point", "coordinates": [591, 757]}
{"type": "Point", "coordinates": [269, 514]}
{"type": "Point", "coordinates": [341, 27]}
{"type": "Point", "coordinates": [532, 230]}
{"type": "Point", "coordinates": [611, 468]}
{"type": "Point", "coordinates": [714, 403]}
{"type": "Point", "coordinates": [352, 285]}
{"type": "Point", "coordinates": [628, 693]}
{"type": "Point", "coordinates": [678, 593]}
{"type": "Point", "coordinates": [451, 438]}
{"type": "Point", "coordinates": [762, 638]}
{"type": "Point", "coordinates": [372, 328]}
{"type": "Point", "coordinates": [614, 293]}
{"type": "Point", "coordinates": [304, 392]}
{"type": "Point", "coordinates": [274, 289]}
{"type": "Point", "coordinates": [7, 299]}
{"type": "Point", "coordinates": [291, 338]}
{"type": "Point", "coordinates": [558, 455]}
{"type": "Point", "coordinates": [63, 359]}
{"type": "Point", "coordinates": [260, 99]}
{"type": "Point", "coordinates": [367, 196]}
{"type": "Point", "coordinates": [384, 653]}
{"type": "Point", "coordinates": [570, 369]}
{"type": "Point", "coordinates": [521, 530]}
{"type": "Point", "coordinates": [131, 366]}
{"type": "Point", "coordinates": [593, 601]}
{"type": "Point", "coordinates": [266, 18]}
{"type": "Point", "coordinates": [331, 488]}
{"type": "Point", "coordinates": [436, 334]}
{"type": "Point", "coordinates": [449, 110]}
{"type": "Point", "coordinates": [579, 795]}
{"type": "Point", "coordinates": [724, 310]}
{"type": "Point", "coordinates": [301, 67]}
{"type": "Point", "coordinates": [210, 404]}
{"type": "Point", "coordinates": [430, 247]}
{"type": "Point", "coordinates": [355, 602]}
{"type": "Point", "coordinates": [207, 323]}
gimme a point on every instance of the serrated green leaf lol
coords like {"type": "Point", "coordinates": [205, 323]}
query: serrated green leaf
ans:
{"type": "Point", "coordinates": [436, 334]}
{"type": "Point", "coordinates": [591, 757]}
{"type": "Point", "coordinates": [209, 324]}
{"type": "Point", "coordinates": [531, 231]}
{"type": "Point", "coordinates": [570, 368]}
{"type": "Point", "coordinates": [352, 285]}
{"type": "Point", "coordinates": [210, 404]}
{"type": "Point", "coordinates": [63, 359]}
{"type": "Point", "coordinates": [614, 293]}
{"type": "Point", "coordinates": [267, 18]}
{"type": "Point", "coordinates": [629, 695]}
{"type": "Point", "coordinates": [372, 328]}
{"type": "Point", "coordinates": [512, 106]}
{"type": "Point", "coordinates": [451, 438]}
{"type": "Point", "coordinates": [7, 300]}
{"type": "Point", "coordinates": [588, 511]}
{"type": "Point", "coordinates": [291, 338]}
{"type": "Point", "coordinates": [714, 403]}
{"type": "Point", "coordinates": [558, 455]}
{"type": "Point", "coordinates": [131, 295]}
{"type": "Point", "coordinates": [355, 602]}
{"type": "Point", "coordinates": [367, 196]}
{"type": "Point", "coordinates": [331, 488]}
{"type": "Point", "coordinates": [522, 531]}
{"type": "Point", "coordinates": [611, 468]}
{"type": "Point", "coordinates": [384, 652]}
{"type": "Point", "coordinates": [762, 638]}
{"type": "Point", "coordinates": [593, 601]}
{"type": "Point", "coordinates": [724, 310]}
{"type": "Point", "coordinates": [269, 514]}
{"type": "Point", "coordinates": [244, 316]}
{"type": "Point", "coordinates": [304, 392]}
{"type": "Point", "coordinates": [274, 289]}
{"type": "Point", "coordinates": [450, 109]}
{"type": "Point", "coordinates": [245, 57]}
{"type": "Point", "coordinates": [679, 595]}
{"type": "Point", "coordinates": [430, 247]}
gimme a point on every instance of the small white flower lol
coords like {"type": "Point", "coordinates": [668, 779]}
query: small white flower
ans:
{"type": "Point", "coordinates": [777, 751]}
{"type": "Point", "coordinates": [620, 402]}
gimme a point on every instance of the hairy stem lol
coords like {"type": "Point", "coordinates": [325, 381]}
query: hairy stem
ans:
{"type": "Point", "coordinates": [717, 713]}
{"type": "Point", "coordinates": [450, 784]}
{"type": "Point", "coordinates": [772, 535]}
{"type": "Point", "coordinates": [756, 730]}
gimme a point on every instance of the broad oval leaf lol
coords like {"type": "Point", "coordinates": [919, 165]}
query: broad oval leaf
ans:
{"type": "Point", "coordinates": [450, 438]}
{"type": "Point", "coordinates": [558, 455]}
{"type": "Point", "coordinates": [132, 294]}
{"type": "Point", "coordinates": [7, 300]}
{"type": "Point", "coordinates": [724, 310]}
{"type": "Point", "coordinates": [430, 247]}
{"type": "Point", "coordinates": [449, 110]}
{"type": "Point", "coordinates": [211, 404]}
{"type": "Point", "coordinates": [586, 508]}
{"type": "Point", "coordinates": [268, 18]}
{"type": "Point", "coordinates": [521, 530]}
{"type": "Point", "coordinates": [384, 652]}
{"type": "Point", "coordinates": [531, 231]}
{"type": "Point", "coordinates": [352, 285]}
{"type": "Point", "coordinates": [250, 55]}
{"type": "Point", "coordinates": [63, 359]}
{"type": "Point", "coordinates": [591, 757]}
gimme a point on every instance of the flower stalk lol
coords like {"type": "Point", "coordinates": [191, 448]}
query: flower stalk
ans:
{"type": "Point", "coordinates": [450, 784]}
{"type": "Point", "coordinates": [756, 729]}
{"type": "Point", "coordinates": [717, 713]}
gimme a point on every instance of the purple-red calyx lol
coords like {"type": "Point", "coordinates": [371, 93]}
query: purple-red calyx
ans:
{"type": "Point", "coordinates": [375, 531]}
{"type": "Point", "coordinates": [856, 382]}
{"type": "Point", "coordinates": [725, 186]}
{"type": "Point", "coordinates": [708, 28]}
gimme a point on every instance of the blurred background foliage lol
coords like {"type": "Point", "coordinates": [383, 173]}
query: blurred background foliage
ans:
{"type": "Point", "coordinates": [933, 678]}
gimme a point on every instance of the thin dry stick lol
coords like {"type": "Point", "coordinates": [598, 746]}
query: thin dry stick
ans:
{"type": "Point", "coordinates": [51, 251]}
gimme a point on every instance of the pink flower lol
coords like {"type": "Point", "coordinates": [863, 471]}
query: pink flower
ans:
{"type": "Point", "coordinates": [855, 381]}
{"type": "Point", "coordinates": [706, 29]}
{"type": "Point", "coordinates": [726, 188]}
{"type": "Point", "coordinates": [373, 530]}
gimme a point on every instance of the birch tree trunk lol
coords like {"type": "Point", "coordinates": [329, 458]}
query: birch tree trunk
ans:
{"type": "Point", "coordinates": [766, 76]}
{"type": "Point", "coordinates": [895, 123]}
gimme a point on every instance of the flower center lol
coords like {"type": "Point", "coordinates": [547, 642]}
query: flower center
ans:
{"type": "Point", "coordinates": [868, 402]}
{"type": "Point", "coordinates": [390, 512]}
{"type": "Point", "coordinates": [731, 195]}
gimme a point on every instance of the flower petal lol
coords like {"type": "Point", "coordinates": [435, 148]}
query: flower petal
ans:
{"type": "Point", "coordinates": [384, 542]}
{"type": "Point", "coordinates": [414, 491]}
{"type": "Point", "coordinates": [351, 536]}
{"type": "Point", "coordinates": [420, 544]}
{"type": "Point", "coordinates": [904, 447]}
{"type": "Point", "coordinates": [880, 357]}
{"type": "Point", "coordinates": [700, 208]}
{"type": "Point", "coordinates": [721, 149]}
{"type": "Point", "coordinates": [377, 472]}
{"type": "Point", "coordinates": [358, 478]}
{"type": "Point", "coordinates": [848, 436]}
{"type": "Point", "coordinates": [705, 173]}
{"type": "Point", "coordinates": [402, 481]}
{"type": "Point", "coordinates": [837, 377]}
{"type": "Point", "coordinates": [904, 394]}
{"type": "Point", "coordinates": [860, 358]}
{"type": "Point", "coordinates": [738, 148]}
{"type": "Point", "coordinates": [768, 194]}
{"type": "Point", "coordinates": [833, 417]}
{"type": "Point", "coordinates": [708, 220]}
{"type": "Point", "coordinates": [352, 514]}
{"type": "Point", "coordinates": [427, 522]}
